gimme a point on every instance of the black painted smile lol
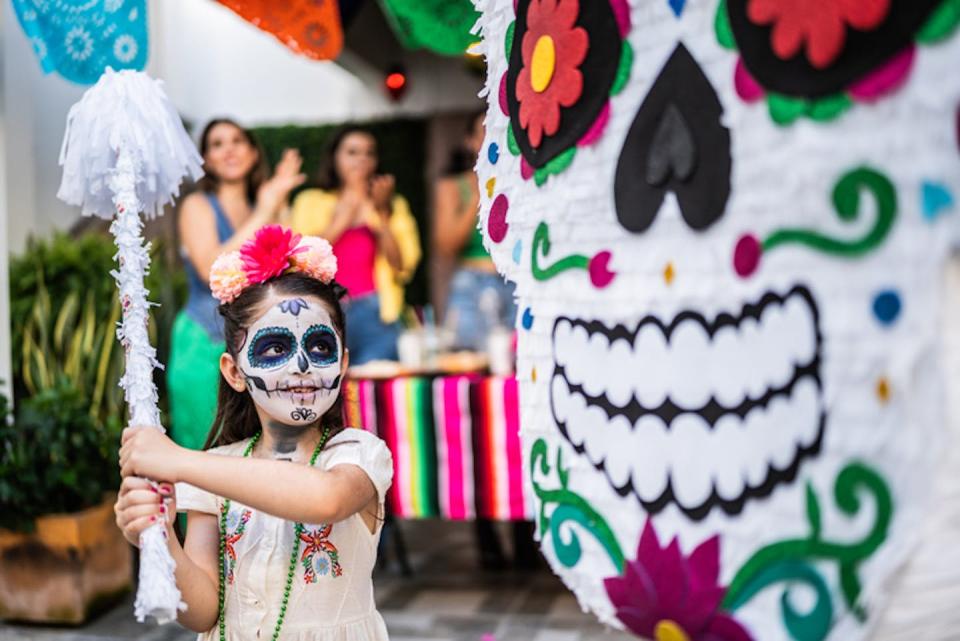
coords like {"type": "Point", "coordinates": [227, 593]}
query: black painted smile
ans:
{"type": "Point", "coordinates": [716, 413]}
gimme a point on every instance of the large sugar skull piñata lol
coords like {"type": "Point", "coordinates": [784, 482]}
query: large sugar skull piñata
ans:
{"type": "Point", "coordinates": [727, 222]}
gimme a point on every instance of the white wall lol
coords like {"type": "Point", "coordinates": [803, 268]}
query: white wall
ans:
{"type": "Point", "coordinates": [34, 113]}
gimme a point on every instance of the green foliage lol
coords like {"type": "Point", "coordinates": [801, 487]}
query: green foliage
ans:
{"type": "Point", "coordinates": [64, 312]}
{"type": "Point", "coordinates": [55, 457]}
{"type": "Point", "coordinates": [59, 453]}
{"type": "Point", "coordinates": [402, 149]}
{"type": "Point", "coordinates": [73, 345]}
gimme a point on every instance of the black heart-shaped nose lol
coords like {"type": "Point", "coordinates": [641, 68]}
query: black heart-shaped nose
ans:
{"type": "Point", "coordinates": [676, 143]}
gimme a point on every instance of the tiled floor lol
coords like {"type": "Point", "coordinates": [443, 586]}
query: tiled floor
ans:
{"type": "Point", "coordinates": [446, 599]}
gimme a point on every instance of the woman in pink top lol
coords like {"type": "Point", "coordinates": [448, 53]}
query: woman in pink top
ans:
{"type": "Point", "coordinates": [374, 237]}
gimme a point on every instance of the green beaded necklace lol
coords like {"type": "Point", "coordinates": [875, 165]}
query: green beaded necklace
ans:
{"type": "Point", "coordinates": [297, 531]}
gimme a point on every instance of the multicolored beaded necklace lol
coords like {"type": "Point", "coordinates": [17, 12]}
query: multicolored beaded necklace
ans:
{"type": "Point", "coordinates": [297, 531]}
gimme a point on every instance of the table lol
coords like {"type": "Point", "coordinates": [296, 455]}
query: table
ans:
{"type": "Point", "coordinates": [455, 443]}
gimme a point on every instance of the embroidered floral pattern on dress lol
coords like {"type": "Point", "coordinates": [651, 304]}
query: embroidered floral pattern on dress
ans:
{"type": "Point", "coordinates": [320, 556]}
{"type": "Point", "coordinates": [236, 525]}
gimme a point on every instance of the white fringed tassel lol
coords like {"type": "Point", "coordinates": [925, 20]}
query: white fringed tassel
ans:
{"type": "Point", "coordinates": [157, 594]}
{"type": "Point", "coordinates": [124, 152]}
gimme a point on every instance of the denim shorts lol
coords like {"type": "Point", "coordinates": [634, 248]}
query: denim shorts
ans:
{"type": "Point", "coordinates": [368, 337]}
{"type": "Point", "coordinates": [471, 292]}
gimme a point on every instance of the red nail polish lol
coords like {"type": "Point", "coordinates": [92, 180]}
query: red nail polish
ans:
{"type": "Point", "coordinates": [163, 509]}
{"type": "Point", "coordinates": [153, 519]}
{"type": "Point", "coordinates": [154, 490]}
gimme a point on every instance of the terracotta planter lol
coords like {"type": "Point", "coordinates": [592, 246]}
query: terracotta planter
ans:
{"type": "Point", "coordinates": [72, 566]}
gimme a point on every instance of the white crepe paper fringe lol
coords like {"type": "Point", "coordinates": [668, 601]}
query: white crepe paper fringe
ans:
{"type": "Point", "coordinates": [125, 151]}
{"type": "Point", "coordinates": [125, 108]}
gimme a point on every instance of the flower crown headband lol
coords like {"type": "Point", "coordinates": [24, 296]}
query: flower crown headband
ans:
{"type": "Point", "coordinates": [273, 250]}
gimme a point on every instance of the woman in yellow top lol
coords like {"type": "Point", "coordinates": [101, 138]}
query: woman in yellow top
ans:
{"type": "Point", "coordinates": [374, 237]}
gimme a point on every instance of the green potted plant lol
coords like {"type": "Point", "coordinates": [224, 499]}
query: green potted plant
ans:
{"type": "Point", "coordinates": [62, 554]}
{"type": "Point", "coordinates": [62, 557]}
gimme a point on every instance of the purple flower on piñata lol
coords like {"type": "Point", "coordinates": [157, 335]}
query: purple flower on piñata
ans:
{"type": "Point", "coordinates": [665, 596]}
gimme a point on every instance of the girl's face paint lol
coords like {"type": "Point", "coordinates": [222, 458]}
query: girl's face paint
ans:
{"type": "Point", "coordinates": [292, 361]}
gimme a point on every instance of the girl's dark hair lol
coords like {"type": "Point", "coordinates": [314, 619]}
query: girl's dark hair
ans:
{"type": "Point", "coordinates": [462, 159]}
{"type": "Point", "coordinates": [327, 177]}
{"type": "Point", "coordinates": [209, 183]}
{"type": "Point", "coordinates": [236, 413]}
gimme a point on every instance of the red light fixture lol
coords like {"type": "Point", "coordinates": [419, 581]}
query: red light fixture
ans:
{"type": "Point", "coordinates": [396, 83]}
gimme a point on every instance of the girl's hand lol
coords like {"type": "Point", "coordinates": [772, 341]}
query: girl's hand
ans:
{"type": "Point", "coordinates": [273, 193]}
{"type": "Point", "coordinates": [381, 192]}
{"type": "Point", "coordinates": [147, 452]}
{"type": "Point", "coordinates": [140, 505]}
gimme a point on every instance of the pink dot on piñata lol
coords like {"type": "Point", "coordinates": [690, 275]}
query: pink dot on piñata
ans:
{"type": "Point", "coordinates": [497, 223]}
{"type": "Point", "coordinates": [747, 87]}
{"type": "Point", "coordinates": [526, 169]}
{"type": "Point", "coordinates": [599, 268]}
{"type": "Point", "coordinates": [746, 255]}
{"type": "Point", "coordinates": [502, 95]}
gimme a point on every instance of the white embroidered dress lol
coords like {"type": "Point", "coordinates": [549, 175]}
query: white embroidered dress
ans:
{"type": "Point", "coordinates": [331, 598]}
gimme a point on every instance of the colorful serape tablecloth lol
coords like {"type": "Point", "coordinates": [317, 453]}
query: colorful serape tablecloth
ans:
{"type": "Point", "coordinates": [455, 442]}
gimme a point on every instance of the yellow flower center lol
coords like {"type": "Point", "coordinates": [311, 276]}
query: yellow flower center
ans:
{"type": "Point", "coordinates": [543, 64]}
{"type": "Point", "coordinates": [667, 630]}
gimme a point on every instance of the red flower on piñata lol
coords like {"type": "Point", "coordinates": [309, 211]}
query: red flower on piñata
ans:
{"type": "Point", "coordinates": [820, 24]}
{"type": "Point", "coordinates": [268, 253]}
{"type": "Point", "coordinates": [663, 595]}
{"type": "Point", "coordinates": [552, 49]}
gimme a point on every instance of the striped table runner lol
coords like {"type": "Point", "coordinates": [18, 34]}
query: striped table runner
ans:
{"type": "Point", "coordinates": [455, 443]}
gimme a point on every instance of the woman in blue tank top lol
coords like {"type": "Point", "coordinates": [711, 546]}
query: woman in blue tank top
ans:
{"type": "Point", "coordinates": [233, 200]}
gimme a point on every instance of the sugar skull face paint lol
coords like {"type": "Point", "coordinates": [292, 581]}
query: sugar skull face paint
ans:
{"type": "Point", "coordinates": [727, 224]}
{"type": "Point", "coordinates": [292, 361]}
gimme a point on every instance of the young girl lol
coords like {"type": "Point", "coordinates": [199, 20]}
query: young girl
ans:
{"type": "Point", "coordinates": [283, 511]}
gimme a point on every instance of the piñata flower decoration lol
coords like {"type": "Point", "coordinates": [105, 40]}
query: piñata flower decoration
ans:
{"type": "Point", "coordinates": [822, 32]}
{"type": "Point", "coordinates": [566, 59]}
{"type": "Point", "coordinates": [553, 49]}
{"type": "Point", "coordinates": [665, 596]}
{"type": "Point", "coordinates": [817, 63]}
{"type": "Point", "coordinates": [268, 253]}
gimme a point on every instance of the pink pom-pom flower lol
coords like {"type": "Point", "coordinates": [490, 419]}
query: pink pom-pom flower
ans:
{"type": "Point", "coordinates": [228, 277]}
{"type": "Point", "coordinates": [315, 259]}
{"type": "Point", "coordinates": [274, 250]}
{"type": "Point", "coordinates": [268, 253]}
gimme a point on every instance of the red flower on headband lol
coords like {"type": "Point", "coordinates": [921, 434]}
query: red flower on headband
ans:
{"type": "Point", "coordinates": [268, 253]}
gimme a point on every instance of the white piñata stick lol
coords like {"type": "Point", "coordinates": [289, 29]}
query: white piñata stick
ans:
{"type": "Point", "coordinates": [125, 151]}
{"type": "Point", "coordinates": [157, 586]}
